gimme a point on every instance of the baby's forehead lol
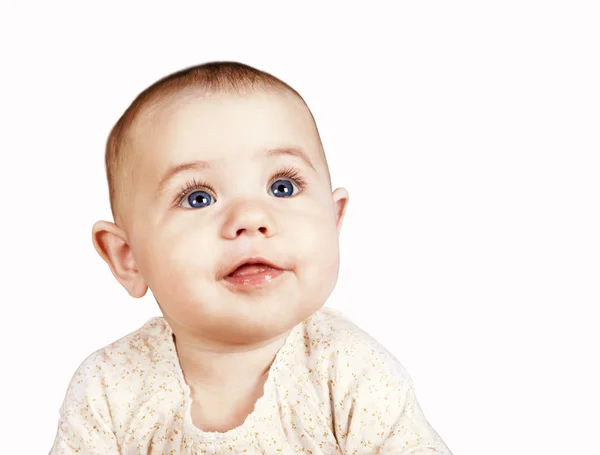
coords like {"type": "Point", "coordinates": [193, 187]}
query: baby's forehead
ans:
{"type": "Point", "coordinates": [191, 125]}
{"type": "Point", "coordinates": [222, 105]}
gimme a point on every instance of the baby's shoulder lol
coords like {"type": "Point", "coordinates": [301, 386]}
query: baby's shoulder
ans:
{"type": "Point", "coordinates": [334, 342]}
{"type": "Point", "coordinates": [127, 363]}
{"type": "Point", "coordinates": [329, 328]}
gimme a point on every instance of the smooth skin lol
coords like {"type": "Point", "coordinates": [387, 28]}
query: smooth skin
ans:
{"type": "Point", "coordinates": [226, 336]}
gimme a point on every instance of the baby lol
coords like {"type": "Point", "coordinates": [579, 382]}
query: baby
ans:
{"type": "Point", "coordinates": [223, 208]}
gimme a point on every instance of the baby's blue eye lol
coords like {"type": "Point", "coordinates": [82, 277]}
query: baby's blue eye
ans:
{"type": "Point", "coordinates": [198, 200]}
{"type": "Point", "coordinates": [282, 188]}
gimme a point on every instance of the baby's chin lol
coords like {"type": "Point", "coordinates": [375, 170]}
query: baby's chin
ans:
{"type": "Point", "coordinates": [243, 323]}
{"type": "Point", "coordinates": [262, 326]}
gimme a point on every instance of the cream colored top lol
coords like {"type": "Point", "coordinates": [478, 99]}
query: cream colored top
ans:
{"type": "Point", "coordinates": [332, 389]}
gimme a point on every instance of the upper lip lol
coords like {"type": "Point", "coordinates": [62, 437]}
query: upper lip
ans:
{"type": "Point", "coordinates": [251, 260]}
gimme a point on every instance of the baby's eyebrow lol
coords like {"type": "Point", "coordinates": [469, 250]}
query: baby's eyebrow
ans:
{"type": "Point", "coordinates": [203, 164]}
{"type": "Point", "coordinates": [292, 151]}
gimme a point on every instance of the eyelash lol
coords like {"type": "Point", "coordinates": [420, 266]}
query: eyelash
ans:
{"type": "Point", "coordinates": [196, 185]}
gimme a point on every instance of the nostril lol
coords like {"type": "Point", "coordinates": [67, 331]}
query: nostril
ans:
{"type": "Point", "coordinates": [262, 230]}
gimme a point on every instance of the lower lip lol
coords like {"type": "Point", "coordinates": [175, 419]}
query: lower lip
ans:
{"type": "Point", "coordinates": [255, 279]}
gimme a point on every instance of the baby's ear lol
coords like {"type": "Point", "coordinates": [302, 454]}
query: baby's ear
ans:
{"type": "Point", "coordinates": [340, 203]}
{"type": "Point", "coordinates": [111, 244]}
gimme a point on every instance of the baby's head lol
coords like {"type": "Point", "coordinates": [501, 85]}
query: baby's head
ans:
{"type": "Point", "coordinates": [209, 167]}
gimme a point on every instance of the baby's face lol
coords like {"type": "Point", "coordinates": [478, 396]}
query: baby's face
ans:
{"type": "Point", "coordinates": [237, 196]}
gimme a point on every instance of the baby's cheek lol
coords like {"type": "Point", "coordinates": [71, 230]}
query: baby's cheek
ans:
{"type": "Point", "coordinates": [172, 266]}
{"type": "Point", "coordinates": [323, 237]}
{"type": "Point", "coordinates": [321, 255]}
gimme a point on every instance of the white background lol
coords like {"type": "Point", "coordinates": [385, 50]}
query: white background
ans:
{"type": "Point", "coordinates": [467, 134]}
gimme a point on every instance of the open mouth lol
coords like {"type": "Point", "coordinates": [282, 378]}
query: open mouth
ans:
{"type": "Point", "coordinates": [253, 272]}
{"type": "Point", "coordinates": [251, 269]}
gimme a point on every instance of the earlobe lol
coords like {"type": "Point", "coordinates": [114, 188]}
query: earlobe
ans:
{"type": "Point", "coordinates": [111, 244]}
{"type": "Point", "coordinates": [340, 202]}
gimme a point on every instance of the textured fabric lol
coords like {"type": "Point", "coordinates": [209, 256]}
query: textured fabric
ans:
{"type": "Point", "coordinates": [332, 389]}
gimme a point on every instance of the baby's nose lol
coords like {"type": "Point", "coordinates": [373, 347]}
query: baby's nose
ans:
{"type": "Point", "coordinates": [249, 219]}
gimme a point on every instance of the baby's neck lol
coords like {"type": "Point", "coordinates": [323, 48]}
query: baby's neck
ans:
{"type": "Point", "coordinates": [216, 367]}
